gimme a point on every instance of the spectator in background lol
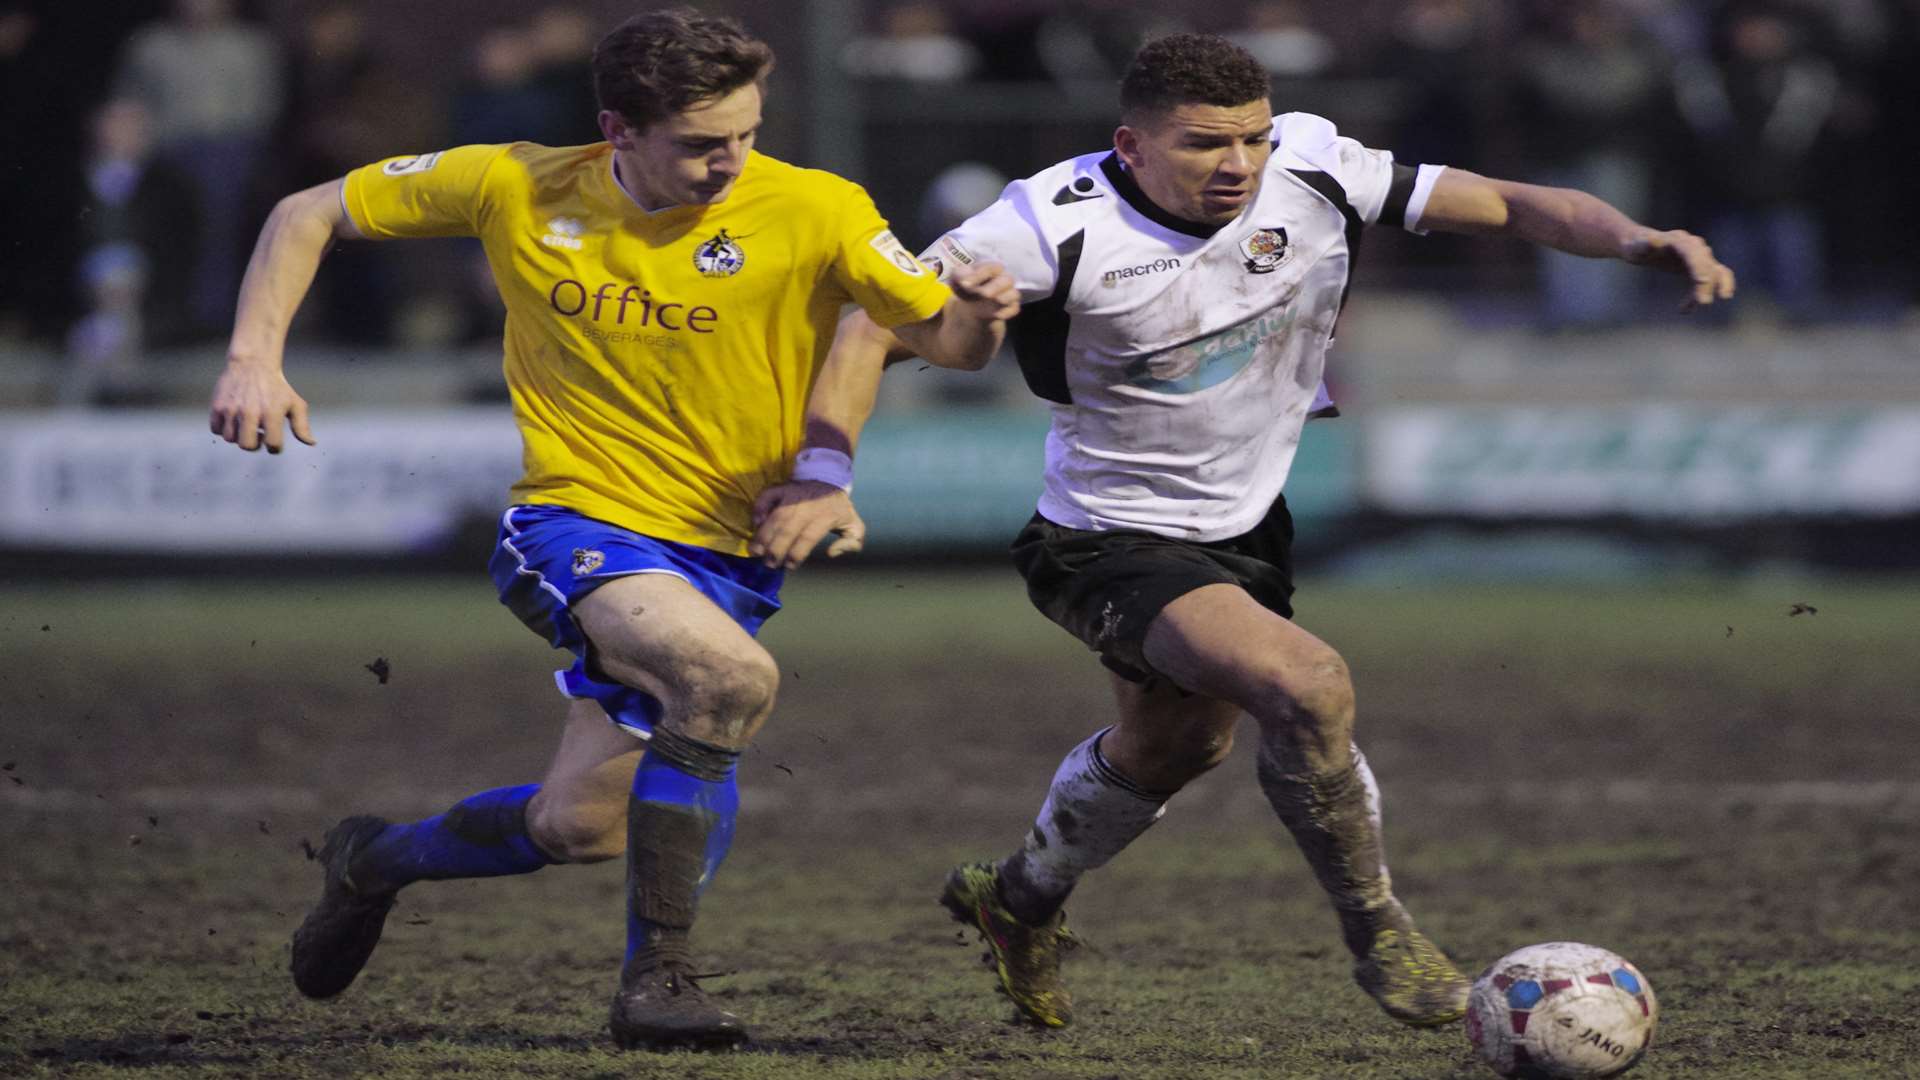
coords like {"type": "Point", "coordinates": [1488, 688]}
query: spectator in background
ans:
{"type": "Point", "coordinates": [1002, 34]}
{"type": "Point", "coordinates": [18, 27]}
{"type": "Point", "coordinates": [1092, 41]}
{"type": "Point", "coordinates": [529, 81]}
{"type": "Point", "coordinates": [1681, 28]}
{"type": "Point", "coordinates": [1070, 43]}
{"type": "Point", "coordinates": [562, 38]}
{"type": "Point", "coordinates": [1758, 114]}
{"type": "Point", "coordinates": [140, 230]}
{"type": "Point", "coordinates": [1589, 100]}
{"type": "Point", "coordinates": [329, 62]}
{"type": "Point", "coordinates": [1899, 81]}
{"type": "Point", "coordinates": [498, 101]}
{"type": "Point", "coordinates": [106, 346]}
{"type": "Point", "coordinates": [1862, 142]}
{"type": "Point", "coordinates": [916, 43]}
{"type": "Point", "coordinates": [213, 86]}
{"type": "Point", "coordinates": [1281, 35]}
{"type": "Point", "coordinates": [501, 102]}
{"type": "Point", "coordinates": [1434, 50]}
{"type": "Point", "coordinates": [346, 107]}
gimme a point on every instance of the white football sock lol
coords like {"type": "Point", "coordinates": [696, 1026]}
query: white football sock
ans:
{"type": "Point", "coordinates": [1091, 814]}
{"type": "Point", "coordinates": [1335, 819]}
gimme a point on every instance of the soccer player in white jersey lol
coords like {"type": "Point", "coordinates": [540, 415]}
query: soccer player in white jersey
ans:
{"type": "Point", "coordinates": [1179, 296]}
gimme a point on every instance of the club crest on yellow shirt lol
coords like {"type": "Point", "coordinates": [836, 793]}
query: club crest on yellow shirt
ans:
{"type": "Point", "coordinates": [719, 257]}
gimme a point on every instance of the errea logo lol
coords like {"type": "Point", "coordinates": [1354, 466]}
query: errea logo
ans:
{"type": "Point", "coordinates": [564, 232]}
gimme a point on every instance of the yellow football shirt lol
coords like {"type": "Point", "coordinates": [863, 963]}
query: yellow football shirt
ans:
{"type": "Point", "coordinates": [659, 362]}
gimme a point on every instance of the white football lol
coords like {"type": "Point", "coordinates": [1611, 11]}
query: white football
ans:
{"type": "Point", "coordinates": [1561, 1010]}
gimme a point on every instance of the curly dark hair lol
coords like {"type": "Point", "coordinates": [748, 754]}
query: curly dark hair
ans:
{"type": "Point", "coordinates": [664, 62]}
{"type": "Point", "coordinates": [1190, 69]}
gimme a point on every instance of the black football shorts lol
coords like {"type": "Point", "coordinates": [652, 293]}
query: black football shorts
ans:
{"type": "Point", "coordinates": [1107, 587]}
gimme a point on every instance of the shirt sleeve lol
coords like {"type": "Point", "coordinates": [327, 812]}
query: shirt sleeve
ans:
{"type": "Point", "coordinates": [438, 194]}
{"type": "Point", "coordinates": [1006, 233]}
{"type": "Point", "coordinates": [1381, 190]}
{"type": "Point", "coordinates": [879, 272]}
{"type": "Point", "coordinates": [1384, 191]}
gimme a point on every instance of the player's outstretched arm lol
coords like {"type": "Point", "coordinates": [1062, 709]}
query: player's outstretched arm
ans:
{"type": "Point", "coordinates": [791, 518]}
{"type": "Point", "coordinates": [253, 397]}
{"type": "Point", "coordinates": [1576, 222]}
{"type": "Point", "coordinates": [969, 329]}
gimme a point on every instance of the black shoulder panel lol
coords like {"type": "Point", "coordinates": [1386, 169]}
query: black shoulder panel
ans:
{"type": "Point", "coordinates": [1331, 190]}
{"type": "Point", "coordinates": [1040, 330]}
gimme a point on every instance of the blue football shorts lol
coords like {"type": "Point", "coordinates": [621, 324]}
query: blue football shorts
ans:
{"type": "Point", "coordinates": [548, 557]}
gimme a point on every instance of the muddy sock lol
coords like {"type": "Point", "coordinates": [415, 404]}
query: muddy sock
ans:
{"type": "Point", "coordinates": [679, 826]}
{"type": "Point", "coordinates": [1091, 814]}
{"type": "Point", "coordinates": [1335, 819]}
{"type": "Point", "coordinates": [483, 835]}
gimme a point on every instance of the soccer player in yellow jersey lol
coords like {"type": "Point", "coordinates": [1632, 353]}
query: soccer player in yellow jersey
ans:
{"type": "Point", "coordinates": [670, 298]}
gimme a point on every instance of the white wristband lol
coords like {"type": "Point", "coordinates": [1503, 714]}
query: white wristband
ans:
{"type": "Point", "coordinates": [824, 466]}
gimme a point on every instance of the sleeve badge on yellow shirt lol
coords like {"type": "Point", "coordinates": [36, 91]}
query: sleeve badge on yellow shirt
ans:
{"type": "Point", "coordinates": [719, 257]}
{"type": "Point", "coordinates": [418, 163]}
{"type": "Point", "coordinates": [885, 243]}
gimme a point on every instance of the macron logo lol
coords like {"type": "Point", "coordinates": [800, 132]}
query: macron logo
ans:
{"type": "Point", "coordinates": [564, 232]}
{"type": "Point", "coordinates": [1114, 277]}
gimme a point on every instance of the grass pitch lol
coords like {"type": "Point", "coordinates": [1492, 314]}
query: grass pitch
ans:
{"type": "Point", "coordinates": [1722, 790]}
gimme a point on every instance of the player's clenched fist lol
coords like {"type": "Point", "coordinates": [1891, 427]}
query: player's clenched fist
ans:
{"type": "Point", "coordinates": [250, 402]}
{"type": "Point", "coordinates": [989, 290]}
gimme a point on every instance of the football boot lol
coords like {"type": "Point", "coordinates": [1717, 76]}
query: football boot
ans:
{"type": "Point", "coordinates": [1027, 958]}
{"type": "Point", "coordinates": [339, 934]}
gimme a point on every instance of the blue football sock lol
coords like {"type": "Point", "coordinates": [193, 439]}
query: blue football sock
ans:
{"type": "Point", "coordinates": [680, 827]}
{"type": "Point", "coordinates": [484, 835]}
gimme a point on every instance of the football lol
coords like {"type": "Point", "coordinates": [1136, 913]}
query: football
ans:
{"type": "Point", "coordinates": [1561, 1010]}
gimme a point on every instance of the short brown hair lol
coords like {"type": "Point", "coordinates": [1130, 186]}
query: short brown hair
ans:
{"type": "Point", "coordinates": [664, 62]}
{"type": "Point", "coordinates": [1190, 69]}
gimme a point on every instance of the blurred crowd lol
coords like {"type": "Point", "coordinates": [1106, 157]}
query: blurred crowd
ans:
{"type": "Point", "coordinates": [1779, 128]}
{"type": "Point", "coordinates": [132, 232]}
{"type": "Point", "coordinates": [145, 145]}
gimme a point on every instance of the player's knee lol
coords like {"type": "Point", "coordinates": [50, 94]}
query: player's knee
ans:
{"type": "Point", "coordinates": [724, 700]}
{"type": "Point", "coordinates": [1316, 692]}
{"type": "Point", "coordinates": [1328, 697]}
{"type": "Point", "coordinates": [577, 833]}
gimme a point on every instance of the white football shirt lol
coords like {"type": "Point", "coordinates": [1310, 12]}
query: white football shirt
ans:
{"type": "Point", "coordinates": [1181, 360]}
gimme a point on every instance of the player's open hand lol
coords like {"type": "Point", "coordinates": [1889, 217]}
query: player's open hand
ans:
{"type": "Point", "coordinates": [989, 290]}
{"type": "Point", "coordinates": [251, 402]}
{"type": "Point", "coordinates": [789, 519]}
{"type": "Point", "coordinates": [1682, 252]}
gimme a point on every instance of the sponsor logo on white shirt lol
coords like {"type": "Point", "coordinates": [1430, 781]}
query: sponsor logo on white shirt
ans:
{"type": "Point", "coordinates": [1116, 276]}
